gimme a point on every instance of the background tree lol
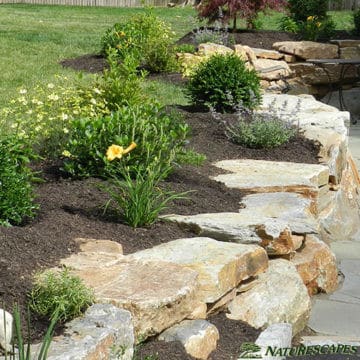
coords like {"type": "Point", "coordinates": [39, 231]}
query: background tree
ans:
{"type": "Point", "coordinates": [225, 10]}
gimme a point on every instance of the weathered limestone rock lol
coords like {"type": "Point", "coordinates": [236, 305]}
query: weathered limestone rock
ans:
{"type": "Point", "coordinates": [264, 84]}
{"type": "Point", "coordinates": [346, 43]}
{"type": "Point", "coordinates": [210, 49]}
{"type": "Point", "coordinates": [333, 151]}
{"type": "Point", "coordinates": [297, 86]}
{"type": "Point", "coordinates": [316, 265]}
{"type": "Point", "coordinates": [242, 50]}
{"type": "Point", "coordinates": [309, 112]}
{"type": "Point", "coordinates": [294, 209]}
{"type": "Point", "coordinates": [99, 246]}
{"type": "Point", "coordinates": [289, 58]}
{"type": "Point", "coordinates": [189, 62]}
{"type": "Point", "coordinates": [267, 54]}
{"type": "Point", "coordinates": [221, 266]}
{"type": "Point", "coordinates": [6, 330]}
{"type": "Point", "coordinates": [280, 296]}
{"type": "Point", "coordinates": [340, 220]}
{"type": "Point", "coordinates": [307, 49]}
{"type": "Point", "coordinates": [316, 75]}
{"type": "Point", "coordinates": [157, 294]}
{"type": "Point", "coordinates": [350, 52]}
{"type": "Point", "coordinates": [271, 176]}
{"type": "Point", "coordinates": [276, 335]}
{"type": "Point", "coordinates": [104, 332]}
{"type": "Point", "coordinates": [272, 234]}
{"type": "Point", "coordinates": [271, 69]}
{"type": "Point", "coordinates": [199, 311]}
{"type": "Point", "coordinates": [198, 337]}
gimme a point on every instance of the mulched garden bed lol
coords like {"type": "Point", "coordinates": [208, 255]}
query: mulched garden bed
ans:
{"type": "Point", "coordinates": [71, 209]}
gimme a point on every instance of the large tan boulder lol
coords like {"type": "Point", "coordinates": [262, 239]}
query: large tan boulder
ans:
{"type": "Point", "coordinates": [279, 296]}
{"type": "Point", "coordinates": [267, 54]}
{"type": "Point", "coordinates": [158, 294]}
{"type": "Point", "coordinates": [221, 266]}
{"type": "Point", "coordinates": [307, 49]}
{"type": "Point", "coordinates": [316, 265]}
{"type": "Point", "coordinates": [198, 337]}
{"type": "Point", "coordinates": [245, 52]}
{"type": "Point", "coordinates": [315, 75]}
{"type": "Point", "coordinates": [350, 52]}
{"type": "Point", "coordinates": [340, 219]}
{"type": "Point", "coordinates": [272, 176]}
{"type": "Point", "coordinates": [209, 49]}
{"type": "Point", "coordinates": [272, 69]}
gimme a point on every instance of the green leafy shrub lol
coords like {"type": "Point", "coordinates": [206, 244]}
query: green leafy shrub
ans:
{"type": "Point", "coordinates": [300, 10]}
{"type": "Point", "coordinates": [138, 197]}
{"type": "Point", "coordinates": [222, 82]}
{"type": "Point", "coordinates": [41, 115]}
{"type": "Point", "coordinates": [288, 24]}
{"type": "Point", "coordinates": [315, 28]}
{"type": "Point", "coordinates": [356, 17]}
{"type": "Point", "coordinates": [16, 191]}
{"type": "Point", "coordinates": [156, 134]}
{"type": "Point", "coordinates": [59, 293]}
{"type": "Point", "coordinates": [185, 48]}
{"type": "Point", "coordinates": [146, 38]}
{"type": "Point", "coordinates": [259, 130]}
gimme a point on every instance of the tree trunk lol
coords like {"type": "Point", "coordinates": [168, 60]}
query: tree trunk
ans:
{"type": "Point", "coordinates": [234, 23]}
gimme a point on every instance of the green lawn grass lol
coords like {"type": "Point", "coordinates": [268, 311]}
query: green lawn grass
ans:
{"type": "Point", "coordinates": [34, 38]}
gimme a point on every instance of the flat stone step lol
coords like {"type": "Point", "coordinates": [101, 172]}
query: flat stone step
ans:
{"type": "Point", "coordinates": [271, 176]}
{"type": "Point", "coordinates": [221, 266]}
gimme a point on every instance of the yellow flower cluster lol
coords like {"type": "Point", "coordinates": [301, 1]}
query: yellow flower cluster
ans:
{"type": "Point", "coordinates": [117, 152]}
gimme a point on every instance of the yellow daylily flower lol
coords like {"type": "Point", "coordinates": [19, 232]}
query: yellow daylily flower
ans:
{"type": "Point", "coordinates": [117, 152]}
{"type": "Point", "coordinates": [310, 18]}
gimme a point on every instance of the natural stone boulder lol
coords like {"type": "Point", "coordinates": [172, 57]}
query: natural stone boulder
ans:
{"type": "Point", "coordinates": [307, 49]}
{"type": "Point", "coordinates": [189, 62]}
{"type": "Point", "coordinates": [280, 296]}
{"type": "Point", "coordinates": [333, 150]}
{"type": "Point", "coordinates": [271, 176]}
{"type": "Point", "coordinates": [346, 43]}
{"type": "Point", "coordinates": [315, 75]}
{"type": "Point", "coordinates": [199, 311]}
{"type": "Point", "coordinates": [271, 69]}
{"type": "Point", "coordinates": [104, 332]}
{"type": "Point", "coordinates": [340, 219]}
{"type": "Point", "coordinates": [210, 49]}
{"type": "Point", "coordinates": [198, 337]}
{"type": "Point", "coordinates": [6, 330]}
{"type": "Point", "coordinates": [289, 58]}
{"type": "Point", "coordinates": [316, 265]}
{"type": "Point", "coordinates": [221, 266]}
{"type": "Point", "coordinates": [294, 209]}
{"type": "Point", "coordinates": [277, 336]}
{"type": "Point", "coordinates": [157, 294]}
{"type": "Point", "coordinates": [244, 50]}
{"type": "Point", "coordinates": [350, 53]}
{"type": "Point", "coordinates": [267, 54]}
{"type": "Point", "coordinates": [99, 246]}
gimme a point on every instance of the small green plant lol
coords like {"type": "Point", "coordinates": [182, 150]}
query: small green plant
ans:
{"type": "Point", "coordinates": [24, 351]}
{"type": "Point", "coordinates": [314, 28]}
{"type": "Point", "coordinates": [157, 134]}
{"type": "Point", "coordinates": [59, 293]}
{"type": "Point", "coordinates": [259, 130]}
{"type": "Point", "coordinates": [16, 190]}
{"type": "Point", "coordinates": [185, 48]}
{"type": "Point", "coordinates": [286, 23]}
{"type": "Point", "coordinates": [222, 82]}
{"type": "Point", "coordinates": [138, 197]}
{"type": "Point", "coordinates": [144, 37]}
{"type": "Point", "coordinates": [356, 18]}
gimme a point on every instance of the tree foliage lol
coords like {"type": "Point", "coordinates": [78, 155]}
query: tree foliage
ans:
{"type": "Point", "coordinates": [225, 10]}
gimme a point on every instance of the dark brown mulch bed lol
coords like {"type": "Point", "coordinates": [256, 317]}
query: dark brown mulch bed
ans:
{"type": "Point", "coordinates": [71, 209]}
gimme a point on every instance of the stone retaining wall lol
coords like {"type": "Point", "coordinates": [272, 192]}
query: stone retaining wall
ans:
{"type": "Point", "coordinates": [260, 264]}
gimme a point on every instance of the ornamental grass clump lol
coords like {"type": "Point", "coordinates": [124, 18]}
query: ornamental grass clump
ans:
{"type": "Point", "coordinates": [223, 81]}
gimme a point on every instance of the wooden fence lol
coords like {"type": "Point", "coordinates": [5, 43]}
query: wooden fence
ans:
{"type": "Point", "coordinates": [333, 4]}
